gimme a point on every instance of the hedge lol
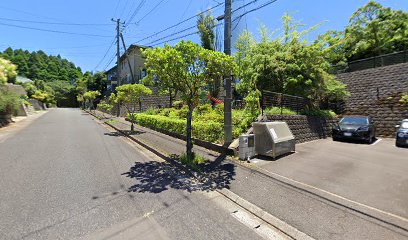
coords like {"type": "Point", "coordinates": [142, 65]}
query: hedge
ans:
{"type": "Point", "coordinates": [208, 131]}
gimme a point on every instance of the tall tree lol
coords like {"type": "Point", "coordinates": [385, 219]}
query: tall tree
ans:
{"type": "Point", "coordinates": [206, 25]}
{"type": "Point", "coordinates": [374, 30]}
{"type": "Point", "coordinates": [192, 67]}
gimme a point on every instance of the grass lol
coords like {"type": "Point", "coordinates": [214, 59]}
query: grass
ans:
{"type": "Point", "coordinates": [193, 163]}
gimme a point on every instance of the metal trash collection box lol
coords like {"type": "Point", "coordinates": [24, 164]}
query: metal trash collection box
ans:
{"type": "Point", "coordinates": [273, 138]}
{"type": "Point", "coordinates": [246, 146]}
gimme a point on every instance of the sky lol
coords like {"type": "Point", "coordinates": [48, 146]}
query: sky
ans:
{"type": "Point", "coordinates": [83, 32]}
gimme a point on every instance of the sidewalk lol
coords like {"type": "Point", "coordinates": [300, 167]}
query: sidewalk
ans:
{"type": "Point", "coordinates": [311, 214]}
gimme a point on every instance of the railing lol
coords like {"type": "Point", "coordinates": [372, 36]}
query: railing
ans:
{"type": "Point", "coordinates": [280, 100]}
{"type": "Point", "coordinates": [373, 62]}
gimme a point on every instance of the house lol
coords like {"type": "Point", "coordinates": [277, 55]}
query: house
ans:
{"type": "Point", "coordinates": [135, 57]}
{"type": "Point", "coordinates": [112, 80]}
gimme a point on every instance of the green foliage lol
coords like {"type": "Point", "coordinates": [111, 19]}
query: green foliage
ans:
{"type": "Point", "coordinates": [43, 96]}
{"type": "Point", "coordinates": [279, 111]}
{"type": "Point", "coordinates": [404, 99]}
{"type": "Point", "coordinates": [40, 66]}
{"type": "Point", "coordinates": [285, 64]}
{"type": "Point", "coordinates": [206, 26]}
{"type": "Point", "coordinates": [91, 95]}
{"type": "Point", "coordinates": [9, 101]}
{"type": "Point", "coordinates": [105, 106]}
{"type": "Point", "coordinates": [64, 93]}
{"type": "Point", "coordinates": [204, 130]}
{"type": "Point", "coordinates": [187, 68]}
{"type": "Point", "coordinates": [7, 71]}
{"type": "Point", "coordinates": [192, 162]}
{"type": "Point", "coordinates": [375, 30]}
{"type": "Point", "coordinates": [30, 88]}
{"type": "Point", "coordinates": [319, 113]}
{"type": "Point", "coordinates": [207, 124]}
{"type": "Point", "coordinates": [178, 104]}
{"type": "Point", "coordinates": [130, 94]}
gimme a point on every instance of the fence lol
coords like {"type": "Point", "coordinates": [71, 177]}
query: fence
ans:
{"type": "Point", "coordinates": [373, 62]}
{"type": "Point", "coordinates": [280, 100]}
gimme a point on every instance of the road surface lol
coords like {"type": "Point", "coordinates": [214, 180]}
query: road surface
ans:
{"type": "Point", "coordinates": [64, 176]}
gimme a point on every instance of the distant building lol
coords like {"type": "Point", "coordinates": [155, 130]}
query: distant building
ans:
{"type": "Point", "coordinates": [135, 57]}
{"type": "Point", "coordinates": [22, 79]}
{"type": "Point", "coordinates": [112, 80]}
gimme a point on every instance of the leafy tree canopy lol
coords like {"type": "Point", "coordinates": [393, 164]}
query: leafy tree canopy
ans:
{"type": "Point", "coordinates": [7, 71]}
{"type": "Point", "coordinates": [285, 64]}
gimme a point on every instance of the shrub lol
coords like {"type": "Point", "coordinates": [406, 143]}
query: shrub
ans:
{"type": "Point", "coordinates": [204, 130]}
{"type": "Point", "coordinates": [178, 104]}
{"type": "Point", "coordinates": [278, 111]}
{"type": "Point", "coordinates": [8, 101]}
{"type": "Point", "coordinates": [319, 113]}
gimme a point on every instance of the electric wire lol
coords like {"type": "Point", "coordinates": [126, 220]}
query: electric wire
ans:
{"type": "Point", "coordinates": [54, 31]}
{"type": "Point", "coordinates": [55, 23]}
{"type": "Point", "coordinates": [179, 23]}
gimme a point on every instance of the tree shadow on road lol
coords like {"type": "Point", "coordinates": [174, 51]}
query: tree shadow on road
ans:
{"type": "Point", "coordinates": [156, 177]}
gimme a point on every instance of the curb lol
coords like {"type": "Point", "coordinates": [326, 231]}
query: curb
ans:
{"type": "Point", "coordinates": [252, 208]}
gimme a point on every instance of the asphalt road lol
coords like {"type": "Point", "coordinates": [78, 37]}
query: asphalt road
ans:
{"type": "Point", "coordinates": [66, 177]}
{"type": "Point", "coordinates": [375, 175]}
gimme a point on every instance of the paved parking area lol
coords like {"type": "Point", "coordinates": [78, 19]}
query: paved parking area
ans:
{"type": "Point", "coordinates": [375, 175]}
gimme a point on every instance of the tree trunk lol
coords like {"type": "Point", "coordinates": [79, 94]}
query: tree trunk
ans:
{"type": "Point", "coordinates": [189, 130]}
{"type": "Point", "coordinates": [171, 99]}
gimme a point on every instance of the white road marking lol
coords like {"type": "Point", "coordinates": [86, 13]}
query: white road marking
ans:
{"type": "Point", "coordinates": [377, 141]}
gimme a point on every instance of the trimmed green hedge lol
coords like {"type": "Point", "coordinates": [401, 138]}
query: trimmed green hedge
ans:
{"type": "Point", "coordinates": [208, 131]}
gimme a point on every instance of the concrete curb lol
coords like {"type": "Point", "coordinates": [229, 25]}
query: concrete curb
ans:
{"type": "Point", "coordinates": [252, 208]}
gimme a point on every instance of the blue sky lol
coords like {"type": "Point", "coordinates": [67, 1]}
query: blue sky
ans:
{"type": "Point", "coordinates": [87, 51]}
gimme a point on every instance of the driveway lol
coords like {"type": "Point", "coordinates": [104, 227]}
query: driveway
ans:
{"type": "Point", "coordinates": [375, 175]}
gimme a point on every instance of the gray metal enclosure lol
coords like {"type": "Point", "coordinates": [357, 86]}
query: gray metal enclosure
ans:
{"type": "Point", "coordinates": [273, 139]}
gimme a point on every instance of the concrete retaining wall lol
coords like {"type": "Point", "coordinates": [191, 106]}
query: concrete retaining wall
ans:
{"type": "Point", "coordinates": [376, 92]}
{"type": "Point", "coordinates": [305, 128]}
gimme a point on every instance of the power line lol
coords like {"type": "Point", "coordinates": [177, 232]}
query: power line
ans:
{"type": "Point", "coordinates": [193, 33]}
{"type": "Point", "coordinates": [110, 61]}
{"type": "Point", "coordinates": [154, 8]}
{"type": "Point", "coordinates": [177, 24]}
{"type": "Point", "coordinates": [54, 31]}
{"type": "Point", "coordinates": [56, 23]}
{"type": "Point", "coordinates": [254, 9]}
{"type": "Point", "coordinates": [104, 56]}
{"type": "Point", "coordinates": [153, 43]}
{"type": "Point", "coordinates": [135, 12]}
{"type": "Point", "coordinates": [176, 33]}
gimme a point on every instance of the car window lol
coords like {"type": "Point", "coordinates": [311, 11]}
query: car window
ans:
{"type": "Point", "coordinates": [354, 120]}
{"type": "Point", "coordinates": [404, 125]}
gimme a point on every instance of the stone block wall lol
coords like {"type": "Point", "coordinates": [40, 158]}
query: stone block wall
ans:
{"type": "Point", "coordinates": [305, 128]}
{"type": "Point", "coordinates": [155, 100]}
{"type": "Point", "coordinates": [376, 92]}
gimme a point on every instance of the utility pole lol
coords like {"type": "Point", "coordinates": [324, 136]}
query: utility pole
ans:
{"type": "Point", "coordinates": [128, 59]}
{"type": "Point", "coordinates": [228, 79]}
{"type": "Point", "coordinates": [118, 58]}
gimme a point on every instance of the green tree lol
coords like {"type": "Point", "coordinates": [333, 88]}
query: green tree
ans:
{"type": "Point", "coordinates": [90, 96]}
{"type": "Point", "coordinates": [7, 71]}
{"type": "Point", "coordinates": [192, 67]}
{"type": "Point", "coordinates": [374, 30]}
{"type": "Point", "coordinates": [160, 72]}
{"type": "Point", "coordinates": [285, 64]}
{"type": "Point", "coordinates": [130, 95]}
{"type": "Point", "coordinates": [206, 25]}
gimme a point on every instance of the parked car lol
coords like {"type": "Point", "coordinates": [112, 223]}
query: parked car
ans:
{"type": "Point", "coordinates": [355, 127]}
{"type": "Point", "coordinates": [402, 134]}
